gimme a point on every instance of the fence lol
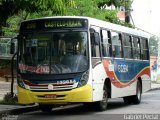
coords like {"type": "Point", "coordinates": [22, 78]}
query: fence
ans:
{"type": "Point", "coordinates": [5, 48]}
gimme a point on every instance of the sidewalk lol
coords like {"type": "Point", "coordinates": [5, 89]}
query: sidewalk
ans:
{"type": "Point", "coordinates": [155, 85]}
{"type": "Point", "coordinates": [17, 109]}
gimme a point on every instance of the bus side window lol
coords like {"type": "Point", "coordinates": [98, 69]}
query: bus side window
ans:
{"type": "Point", "coordinates": [116, 44]}
{"type": "Point", "coordinates": [106, 43]}
{"type": "Point", "coordinates": [136, 48]}
{"type": "Point", "coordinates": [127, 46]}
{"type": "Point", "coordinates": [94, 47]}
{"type": "Point", "coordinates": [144, 49]}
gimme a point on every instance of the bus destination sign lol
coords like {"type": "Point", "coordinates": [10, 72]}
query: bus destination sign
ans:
{"type": "Point", "coordinates": [63, 23]}
{"type": "Point", "coordinates": [53, 23]}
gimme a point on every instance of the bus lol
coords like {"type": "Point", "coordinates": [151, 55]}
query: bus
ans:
{"type": "Point", "coordinates": [73, 59]}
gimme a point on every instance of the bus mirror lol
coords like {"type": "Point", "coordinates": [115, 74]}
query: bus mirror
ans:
{"type": "Point", "coordinates": [13, 45]}
{"type": "Point", "coordinates": [95, 38]}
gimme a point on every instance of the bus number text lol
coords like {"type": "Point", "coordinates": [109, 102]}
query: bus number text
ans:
{"type": "Point", "coordinates": [123, 68]}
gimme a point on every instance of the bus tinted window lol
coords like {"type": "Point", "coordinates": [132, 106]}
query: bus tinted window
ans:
{"type": "Point", "coordinates": [136, 48]}
{"type": "Point", "coordinates": [144, 50]}
{"type": "Point", "coordinates": [127, 46]}
{"type": "Point", "coordinates": [95, 49]}
{"type": "Point", "coordinates": [116, 44]}
{"type": "Point", "coordinates": [106, 43]}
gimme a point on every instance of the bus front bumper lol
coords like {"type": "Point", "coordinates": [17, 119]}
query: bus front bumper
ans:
{"type": "Point", "coordinates": [79, 95]}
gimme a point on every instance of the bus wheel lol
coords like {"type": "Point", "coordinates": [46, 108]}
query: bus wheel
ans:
{"type": "Point", "coordinates": [127, 100]}
{"type": "Point", "coordinates": [45, 108]}
{"type": "Point", "coordinates": [136, 99]}
{"type": "Point", "coordinates": [102, 105]}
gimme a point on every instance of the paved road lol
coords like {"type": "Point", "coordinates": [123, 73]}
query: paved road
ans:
{"type": "Point", "coordinates": [117, 110]}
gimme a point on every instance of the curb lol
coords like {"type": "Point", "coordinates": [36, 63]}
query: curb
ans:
{"type": "Point", "coordinates": [152, 89]}
{"type": "Point", "coordinates": [16, 111]}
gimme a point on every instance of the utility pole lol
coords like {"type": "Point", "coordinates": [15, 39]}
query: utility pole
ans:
{"type": "Point", "coordinates": [127, 12]}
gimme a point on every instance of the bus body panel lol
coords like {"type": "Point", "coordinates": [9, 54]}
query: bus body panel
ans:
{"type": "Point", "coordinates": [83, 94]}
{"type": "Point", "coordinates": [124, 75]}
{"type": "Point", "coordinates": [122, 92]}
{"type": "Point", "coordinates": [99, 76]}
{"type": "Point", "coordinates": [146, 83]}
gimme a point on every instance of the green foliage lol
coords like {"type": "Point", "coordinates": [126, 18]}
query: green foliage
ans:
{"type": "Point", "coordinates": [116, 3]}
{"type": "Point", "coordinates": [4, 64]}
{"type": "Point", "coordinates": [13, 26]}
{"type": "Point", "coordinates": [9, 8]}
{"type": "Point", "coordinates": [15, 11]}
{"type": "Point", "coordinates": [90, 8]}
{"type": "Point", "coordinates": [9, 100]}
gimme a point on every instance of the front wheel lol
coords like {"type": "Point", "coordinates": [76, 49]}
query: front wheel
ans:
{"type": "Point", "coordinates": [102, 105]}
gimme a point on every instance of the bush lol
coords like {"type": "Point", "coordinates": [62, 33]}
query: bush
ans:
{"type": "Point", "coordinates": [8, 99]}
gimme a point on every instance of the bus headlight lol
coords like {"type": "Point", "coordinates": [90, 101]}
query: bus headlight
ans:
{"type": "Point", "coordinates": [20, 82]}
{"type": "Point", "coordinates": [84, 79]}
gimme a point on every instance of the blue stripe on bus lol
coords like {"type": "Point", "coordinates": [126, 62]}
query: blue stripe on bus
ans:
{"type": "Point", "coordinates": [126, 70]}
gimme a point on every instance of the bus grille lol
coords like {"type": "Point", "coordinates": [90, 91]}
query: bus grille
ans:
{"type": "Point", "coordinates": [57, 88]}
{"type": "Point", "coordinates": [50, 87]}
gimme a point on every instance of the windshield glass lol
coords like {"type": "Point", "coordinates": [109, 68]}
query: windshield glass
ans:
{"type": "Point", "coordinates": [55, 53]}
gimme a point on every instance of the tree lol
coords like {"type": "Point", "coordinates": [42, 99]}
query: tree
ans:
{"type": "Point", "coordinates": [116, 3]}
{"type": "Point", "coordinates": [97, 9]}
{"type": "Point", "coordinates": [94, 8]}
{"type": "Point", "coordinates": [14, 11]}
{"type": "Point", "coordinates": [12, 7]}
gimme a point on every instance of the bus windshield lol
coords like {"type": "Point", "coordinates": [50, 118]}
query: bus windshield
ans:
{"type": "Point", "coordinates": [53, 53]}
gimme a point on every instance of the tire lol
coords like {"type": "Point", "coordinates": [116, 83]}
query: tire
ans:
{"type": "Point", "coordinates": [136, 99]}
{"type": "Point", "coordinates": [102, 105]}
{"type": "Point", "coordinates": [45, 108]}
{"type": "Point", "coordinates": [127, 100]}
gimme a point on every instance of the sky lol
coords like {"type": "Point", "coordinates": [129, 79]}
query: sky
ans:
{"type": "Point", "coordinates": [146, 15]}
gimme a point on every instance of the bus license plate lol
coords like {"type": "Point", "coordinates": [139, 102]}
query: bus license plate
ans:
{"type": "Point", "coordinates": [50, 96]}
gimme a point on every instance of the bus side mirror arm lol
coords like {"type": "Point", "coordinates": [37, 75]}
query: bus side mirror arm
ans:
{"type": "Point", "coordinates": [13, 45]}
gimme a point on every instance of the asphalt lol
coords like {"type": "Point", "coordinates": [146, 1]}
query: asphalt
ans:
{"type": "Point", "coordinates": [18, 109]}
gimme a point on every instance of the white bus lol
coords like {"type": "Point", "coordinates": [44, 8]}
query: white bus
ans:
{"type": "Point", "coordinates": [72, 59]}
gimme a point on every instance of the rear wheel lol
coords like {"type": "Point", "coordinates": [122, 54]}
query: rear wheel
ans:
{"type": "Point", "coordinates": [137, 98]}
{"type": "Point", "coordinates": [45, 108]}
{"type": "Point", "coordinates": [102, 105]}
{"type": "Point", "coordinates": [127, 100]}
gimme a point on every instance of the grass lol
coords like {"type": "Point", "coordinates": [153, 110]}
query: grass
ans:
{"type": "Point", "coordinates": [2, 102]}
{"type": "Point", "coordinates": [9, 100]}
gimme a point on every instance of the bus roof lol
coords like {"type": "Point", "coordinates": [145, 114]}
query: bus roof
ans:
{"type": "Point", "coordinates": [103, 24]}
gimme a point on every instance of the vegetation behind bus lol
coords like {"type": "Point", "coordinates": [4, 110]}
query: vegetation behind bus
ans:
{"type": "Point", "coordinates": [22, 10]}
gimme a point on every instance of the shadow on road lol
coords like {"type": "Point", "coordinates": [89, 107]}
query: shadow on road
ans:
{"type": "Point", "coordinates": [81, 109]}
{"type": "Point", "coordinates": [76, 112]}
